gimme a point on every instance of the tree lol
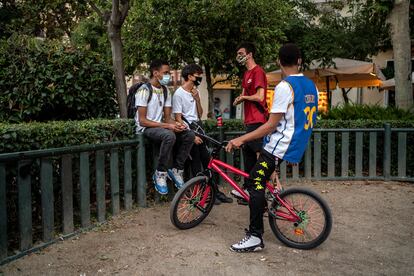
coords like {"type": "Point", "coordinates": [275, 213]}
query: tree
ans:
{"type": "Point", "coordinates": [400, 35]}
{"type": "Point", "coordinates": [114, 20]}
{"type": "Point", "coordinates": [206, 32]}
{"type": "Point", "coordinates": [44, 18]}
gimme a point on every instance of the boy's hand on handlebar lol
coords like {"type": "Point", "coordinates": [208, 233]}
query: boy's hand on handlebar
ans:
{"type": "Point", "coordinates": [198, 140]}
{"type": "Point", "coordinates": [235, 143]}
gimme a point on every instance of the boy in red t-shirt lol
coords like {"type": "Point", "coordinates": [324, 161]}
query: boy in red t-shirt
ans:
{"type": "Point", "coordinates": [254, 97]}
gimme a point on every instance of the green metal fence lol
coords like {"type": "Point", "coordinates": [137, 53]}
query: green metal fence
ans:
{"type": "Point", "coordinates": [50, 194]}
{"type": "Point", "coordinates": [350, 154]}
{"type": "Point", "coordinates": [21, 230]}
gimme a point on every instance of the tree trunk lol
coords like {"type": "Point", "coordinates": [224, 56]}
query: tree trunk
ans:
{"type": "Point", "coordinates": [345, 95]}
{"type": "Point", "coordinates": [400, 37]}
{"type": "Point", "coordinates": [209, 90]}
{"type": "Point", "coordinates": [120, 85]}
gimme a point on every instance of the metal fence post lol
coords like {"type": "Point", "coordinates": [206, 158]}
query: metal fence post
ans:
{"type": "Point", "coordinates": [141, 171]}
{"type": "Point", "coordinates": [387, 151]}
{"type": "Point", "coordinates": [3, 213]}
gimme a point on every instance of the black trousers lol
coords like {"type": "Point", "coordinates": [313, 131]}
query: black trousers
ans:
{"type": "Point", "coordinates": [200, 158]}
{"type": "Point", "coordinates": [251, 149]}
{"type": "Point", "coordinates": [168, 138]}
{"type": "Point", "coordinates": [256, 185]}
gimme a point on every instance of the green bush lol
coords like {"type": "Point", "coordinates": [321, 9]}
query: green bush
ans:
{"type": "Point", "coordinates": [45, 80]}
{"type": "Point", "coordinates": [370, 112]}
{"type": "Point", "coordinates": [42, 135]}
{"type": "Point", "coordinates": [237, 125]}
{"type": "Point", "coordinates": [31, 136]}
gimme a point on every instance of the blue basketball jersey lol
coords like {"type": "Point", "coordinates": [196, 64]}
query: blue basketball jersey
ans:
{"type": "Point", "coordinates": [291, 137]}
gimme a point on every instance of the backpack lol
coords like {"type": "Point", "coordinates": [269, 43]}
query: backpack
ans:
{"type": "Point", "coordinates": [131, 108]}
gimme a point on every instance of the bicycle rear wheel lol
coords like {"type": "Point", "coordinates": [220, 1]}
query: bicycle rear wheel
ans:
{"type": "Point", "coordinates": [315, 222]}
{"type": "Point", "coordinates": [185, 210]}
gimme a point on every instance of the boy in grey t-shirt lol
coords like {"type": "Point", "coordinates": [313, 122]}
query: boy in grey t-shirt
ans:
{"type": "Point", "coordinates": [153, 118]}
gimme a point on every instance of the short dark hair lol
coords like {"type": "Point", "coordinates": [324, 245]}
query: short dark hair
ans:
{"type": "Point", "coordinates": [156, 65]}
{"type": "Point", "coordinates": [289, 55]}
{"type": "Point", "coordinates": [191, 69]}
{"type": "Point", "coordinates": [250, 48]}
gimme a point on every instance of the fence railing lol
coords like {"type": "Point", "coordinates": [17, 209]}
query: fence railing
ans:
{"type": "Point", "coordinates": [349, 154]}
{"type": "Point", "coordinates": [45, 194]}
{"type": "Point", "coordinates": [49, 194]}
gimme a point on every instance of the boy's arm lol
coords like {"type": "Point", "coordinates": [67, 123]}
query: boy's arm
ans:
{"type": "Point", "coordinates": [143, 121]}
{"type": "Point", "coordinates": [265, 129]}
{"type": "Point", "coordinates": [258, 97]}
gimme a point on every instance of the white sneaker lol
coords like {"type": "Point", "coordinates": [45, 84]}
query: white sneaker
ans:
{"type": "Point", "coordinates": [160, 182]}
{"type": "Point", "coordinates": [239, 195]}
{"type": "Point", "coordinates": [177, 177]}
{"type": "Point", "coordinates": [249, 243]}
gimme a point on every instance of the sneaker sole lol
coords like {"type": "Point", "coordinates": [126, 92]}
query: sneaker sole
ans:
{"type": "Point", "coordinates": [247, 250]}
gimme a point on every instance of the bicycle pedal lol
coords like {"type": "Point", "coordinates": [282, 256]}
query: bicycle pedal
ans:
{"type": "Point", "coordinates": [242, 202]}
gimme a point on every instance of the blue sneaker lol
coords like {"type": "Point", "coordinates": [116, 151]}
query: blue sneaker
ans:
{"type": "Point", "coordinates": [177, 177]}
{"type": "Point", "coordinates": [160, 182]}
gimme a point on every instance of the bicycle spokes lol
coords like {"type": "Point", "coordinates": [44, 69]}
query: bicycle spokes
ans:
{"type": "Point", "coordinates": [311, 218]}
{"type": "Point", "coordinates": [192, 204]}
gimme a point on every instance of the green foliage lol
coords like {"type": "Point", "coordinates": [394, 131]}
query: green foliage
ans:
{"type": "Point", "coordinates": [91, 34]}
{"type": "Point", "coordinates": [237, 125]}
{"type": "Point", "coordinates": [35, 135]}
{"type": "Point", "coordinates": [206, 31]}
{"type": "Point", "coordinates": [326, 34]}
{"type": "Point", "coordinates": [45, 80]}
{"type": "Point", "coordinates": [371, 112]}
{"type": "Point", "coordinates": [45, 18]}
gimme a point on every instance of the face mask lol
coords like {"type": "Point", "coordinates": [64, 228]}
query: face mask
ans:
{"type": "Point", "coordinates": [165, 79]}
{"type": "Point", "coordinates": [241, 59]}
{"type": "Point", "coordinates": [198, 81]}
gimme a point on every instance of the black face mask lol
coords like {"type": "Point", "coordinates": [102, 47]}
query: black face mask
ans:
{"type": "Point", "coordinates": [198, 81]}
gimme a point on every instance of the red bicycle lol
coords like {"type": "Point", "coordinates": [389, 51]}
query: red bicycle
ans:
{"type": "Point", "coordinates": [298, 217]}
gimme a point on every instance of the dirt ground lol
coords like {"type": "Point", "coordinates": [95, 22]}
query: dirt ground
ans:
{"type": "Point", "coordinates": [372, 234]}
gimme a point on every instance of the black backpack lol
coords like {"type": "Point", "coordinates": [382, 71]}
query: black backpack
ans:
{"type": "Point", "coordinates": [131, 109]}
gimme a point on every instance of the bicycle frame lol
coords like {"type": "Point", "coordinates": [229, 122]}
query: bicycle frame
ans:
{"type": "Point", "coordinates": [216, 165]}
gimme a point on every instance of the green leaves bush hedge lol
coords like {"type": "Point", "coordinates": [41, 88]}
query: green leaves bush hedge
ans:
{"type": "Point", "coordinates": [370, 112]}
{"type": "Point", "coordinates": [31, 136]}
{"type": "Point", "coordinates": [38, 135]}
{"type": "Point", "coordinates": [45, 80]}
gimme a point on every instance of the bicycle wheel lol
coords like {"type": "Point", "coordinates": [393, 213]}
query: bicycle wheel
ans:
{"type": "Point", "coordinates": [316, 219]}
{"type": "Point", "coordinates": [185, 209]}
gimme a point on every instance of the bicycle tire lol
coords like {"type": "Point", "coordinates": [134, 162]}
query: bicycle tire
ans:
{"type": "Point", "coordinates": [188, 188]}
{"type": "Point", "coordinates": [297, 230]}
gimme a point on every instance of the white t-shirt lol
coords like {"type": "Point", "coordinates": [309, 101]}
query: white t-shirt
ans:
{"type": "Point", "coordinates": [288, 137]}
{"type": "Point", "coordinates": [184, 103]}
{"type": "Point", "coordinates": [156, 105]}
{"type": "Point", "coordinates": [282, 103]}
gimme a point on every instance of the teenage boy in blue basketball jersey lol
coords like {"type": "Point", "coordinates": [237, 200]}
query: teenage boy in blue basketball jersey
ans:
{"type": "Point", "coordinates": [292, 117]}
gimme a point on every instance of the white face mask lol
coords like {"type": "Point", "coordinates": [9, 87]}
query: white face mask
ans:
{"type": "Point", "coordinates": [241, 59]}
{"type": "Point", "coordinates": [165, 79]}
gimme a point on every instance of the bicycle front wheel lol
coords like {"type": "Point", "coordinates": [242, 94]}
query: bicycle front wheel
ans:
{"type": "Point", "coordinates": [314, 225]}
{"type": "Point", "coordinates": [192, 203]}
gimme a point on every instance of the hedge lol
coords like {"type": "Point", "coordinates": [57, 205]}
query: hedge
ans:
{"type": "Point", "coordinates": [35, 135]}
{"type": "Point", "coordinates": [48, 80]}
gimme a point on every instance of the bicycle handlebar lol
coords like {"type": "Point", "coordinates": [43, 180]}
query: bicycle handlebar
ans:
{"type": "Point", "coordinates": [214, 141]}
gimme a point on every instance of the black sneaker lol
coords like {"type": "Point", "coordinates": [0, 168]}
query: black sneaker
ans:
{"type": "Point", "coordinates": [223, 198]}
{"type": "Point", "coordinates": [249, 243]}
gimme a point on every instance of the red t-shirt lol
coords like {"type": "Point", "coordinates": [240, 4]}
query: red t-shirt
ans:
{"type": "Point", "coordinates": [252, 80]}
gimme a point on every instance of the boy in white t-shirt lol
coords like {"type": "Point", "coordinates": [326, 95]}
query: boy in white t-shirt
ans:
{"type": "Point", "coordinates": [187, 110]}
{"type": "Point", "coordinates": [153, 118]}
